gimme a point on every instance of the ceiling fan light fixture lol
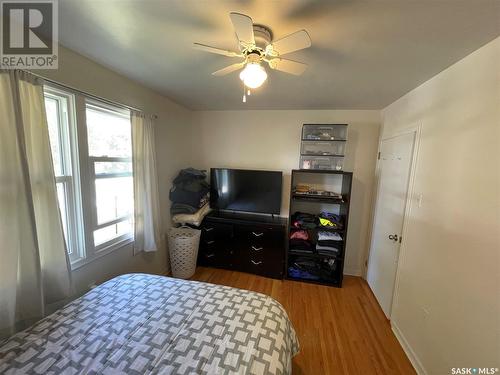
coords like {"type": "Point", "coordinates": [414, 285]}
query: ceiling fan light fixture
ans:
{"type": "Point", "coordinates": [253, 76]}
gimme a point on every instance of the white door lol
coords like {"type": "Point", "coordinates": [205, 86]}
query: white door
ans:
{"type": "Point", "coordinates": [395, 164]}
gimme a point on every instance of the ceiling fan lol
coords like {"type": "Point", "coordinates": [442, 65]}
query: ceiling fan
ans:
{"type": "Point", "coordinates": [256, 45]}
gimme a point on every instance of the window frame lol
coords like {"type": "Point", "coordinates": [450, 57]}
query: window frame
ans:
{"type": "Point", "coordinates": [70, 169]}
{"type": "Point", "coordinates": [118, 241]}
{"type": "Point", "coordinates": [82, 215]}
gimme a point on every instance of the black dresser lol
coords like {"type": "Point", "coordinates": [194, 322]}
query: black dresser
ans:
{"type": "Point", "coordinates": [247, 243]}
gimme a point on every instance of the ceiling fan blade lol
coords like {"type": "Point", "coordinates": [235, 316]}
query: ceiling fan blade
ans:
{"type": "Point", "coordinates": [293, 42]}
{"type": "Point", "coordinates": [229, 69]}
{"type": "Point", "coordinates": [203, 47]}
{"type": "Point", "coordinates": [243, 26]}
{"type": "Point", "coordinates": [287, 66]}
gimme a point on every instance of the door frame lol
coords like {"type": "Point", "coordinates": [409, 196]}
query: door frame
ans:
{"type": "Point", "coordinates": [416, 130]}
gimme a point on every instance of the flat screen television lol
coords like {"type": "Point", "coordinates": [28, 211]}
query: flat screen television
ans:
{"type": "Point", "coordinates": [245, 190]}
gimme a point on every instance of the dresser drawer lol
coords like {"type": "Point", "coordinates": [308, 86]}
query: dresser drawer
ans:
{"type": "Point", "coordinates": [263, 265]}
{"type": "Point", "coordinates": [258, 235]}
{"type": "Point", "coordinates": [210, 231]}
{"type": "Point", "coordinates": [216, 253]}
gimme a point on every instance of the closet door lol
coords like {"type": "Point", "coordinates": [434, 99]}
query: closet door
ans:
{"type": "Point", "coordinates": [395, 161]}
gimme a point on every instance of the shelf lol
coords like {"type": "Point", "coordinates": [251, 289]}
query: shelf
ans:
{"type": "Point", "coordinates": [318, 199]}
{"type": "Point", "coordinates": [325, 155]}
{"type": "Point", "coordinates": [324, 140]}
{"type": "Point", "coordinates": [313, 255]}
{"type": "Point", "coordinates": [310, 203]}
{"type": "Point", "coordinates": [327, 229]}
{"type": "Point", "coordinates": [326, 171]}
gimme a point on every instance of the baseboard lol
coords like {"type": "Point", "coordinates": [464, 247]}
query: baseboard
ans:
{"type": "Point", "coordinates": [352, 271]}
{"type": "Point", "coordinates": [417, 365]}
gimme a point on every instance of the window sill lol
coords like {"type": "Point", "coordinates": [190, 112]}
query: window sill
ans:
{"type": "Point", "coordinates": [77, 264]}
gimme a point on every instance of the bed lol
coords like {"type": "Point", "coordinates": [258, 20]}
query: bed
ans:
{"type": "Point", "coordinates": [148, 324]}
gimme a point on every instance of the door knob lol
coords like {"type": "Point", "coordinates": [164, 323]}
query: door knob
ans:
{"type": "Point", "coordinates": [393, 237]}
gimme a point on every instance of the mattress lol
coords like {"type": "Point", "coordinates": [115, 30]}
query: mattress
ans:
{"type": "Point", "coordinates": [147, 324]}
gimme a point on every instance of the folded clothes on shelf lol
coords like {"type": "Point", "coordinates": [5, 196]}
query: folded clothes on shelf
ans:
{"type": "Point", "coordinates": [297, 244]}
{"type": "Point", "coordinates": [301, 274]}
{"type": "Point", "coordinates": [299, 235]}
{"type": "Point", "coordinates": [314, 269]}
{"type": "Point", "coordinates": [304, 220]}
{"type": "Point", "coordinates": [327, 250]}
{"type": "Point", "coordinates": [328, 219]}
{"type": "Point", "coordinates": [302, 251]}
{"type": "Point", "coordinates": [329, 236]}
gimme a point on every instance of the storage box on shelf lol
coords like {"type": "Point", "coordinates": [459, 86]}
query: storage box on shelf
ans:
{"type": "Point", "coordinates": [323, 146]}
{"type": "Point", "coordinates": [327, 148]}
{"type": "Point", "coordinates": [313, 192]}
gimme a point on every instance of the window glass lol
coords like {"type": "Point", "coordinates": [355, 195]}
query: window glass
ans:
{"type": "Point", "coordinates": [61, 197]}
{"type": "Point", "coordinates": [114, 198]}
{"type": "Point", "coordinates": [51, 108]}
{"type": "Point", "coordinates": [108, 133]}
{"type": "Point", "coordinates": [112, 167]}
{"type": "Point", "coordinates": [106, 234]}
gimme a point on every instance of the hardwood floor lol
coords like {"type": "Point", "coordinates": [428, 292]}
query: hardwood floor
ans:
{"type": "Point", "coordinates": [341, 331]}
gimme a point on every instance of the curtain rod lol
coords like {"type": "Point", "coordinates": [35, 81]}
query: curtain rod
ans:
{"type": "Point", "coordinates": [92, 96]}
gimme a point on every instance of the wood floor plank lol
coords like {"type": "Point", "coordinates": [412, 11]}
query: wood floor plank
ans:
{"type": "Point", "coordinates": [341, 331]}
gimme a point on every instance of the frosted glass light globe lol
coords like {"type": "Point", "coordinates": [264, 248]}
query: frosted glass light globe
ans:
{"type": "Point", "coordinates": [253, 75]}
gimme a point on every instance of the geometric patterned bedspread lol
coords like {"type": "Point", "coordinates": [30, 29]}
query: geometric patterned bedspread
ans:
{"type": "Point", "coordinates": [148, 324]}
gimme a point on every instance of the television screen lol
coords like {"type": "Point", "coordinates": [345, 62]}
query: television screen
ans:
{"type": "Point", "coordinates": [245, 190]}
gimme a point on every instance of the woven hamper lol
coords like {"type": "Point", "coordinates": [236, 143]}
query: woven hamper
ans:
{"type": "Point", "coordinates": [183, 245]}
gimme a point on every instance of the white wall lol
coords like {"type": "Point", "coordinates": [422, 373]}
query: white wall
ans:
{"type": "Point", "coordinates": [173, 148]}
{"type": "Point", "coordinates": [271, 140]}
{"type": "Point", "coordinates": [450, 262]}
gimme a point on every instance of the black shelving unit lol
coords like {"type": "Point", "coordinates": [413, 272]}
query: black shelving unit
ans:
{"type": "Point", "coordinates": [343, 182]}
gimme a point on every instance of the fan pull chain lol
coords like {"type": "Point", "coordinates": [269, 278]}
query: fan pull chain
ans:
{"type": "Point", "coordinates": [244, 95]}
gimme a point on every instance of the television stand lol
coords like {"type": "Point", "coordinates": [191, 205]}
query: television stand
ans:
{"type": "Point", "coordinates": [244, 242]}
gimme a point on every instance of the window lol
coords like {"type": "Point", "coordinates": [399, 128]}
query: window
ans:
{"type": "Point", "coordinates": [94, 187]}
{"type": "Point", "coordinates": [110, 154]}
{"type": "Point", "coordinates": [62, 133]}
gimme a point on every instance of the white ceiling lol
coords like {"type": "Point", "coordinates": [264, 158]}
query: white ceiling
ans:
{"type": "Point", "coordinates": [364, 54]}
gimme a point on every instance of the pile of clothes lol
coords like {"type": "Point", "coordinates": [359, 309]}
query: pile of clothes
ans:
{"type": "Point", "coordinates": [302, 220]}
{"type": "Point", "coordinates": [312, 234]}
{"type": "Point", "coordinates": [310, 269]}
{"type": "Point", "coordinates": [328, 243]}
{"type": "Point", "coordinates": [301, 241]}
{"type": "Point", "coordinates": [189, 195]}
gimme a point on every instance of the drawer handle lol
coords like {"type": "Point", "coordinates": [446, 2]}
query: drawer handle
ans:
{"type": "Point", "coordinates": [257, 248]}
{"type": "Point", "coordinates": [209, 255]}
{"type": "Point", "coordinates": [256, 263]}
{"type": "Point", "coordinates": [210, 242]}
{"type": "Point", "coordinates": [208, 229]}
{"type": "Point", "coordinates": [257, 234]}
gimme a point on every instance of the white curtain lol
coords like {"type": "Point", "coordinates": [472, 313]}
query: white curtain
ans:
{"type": "Point", "coordinates": [146, 201]}
{"type": "Point", "coordinates": [34, 265]}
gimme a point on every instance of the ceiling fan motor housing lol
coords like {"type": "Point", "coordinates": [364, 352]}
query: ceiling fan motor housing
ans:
{"type": "Point", "coordinates": [263, 36]}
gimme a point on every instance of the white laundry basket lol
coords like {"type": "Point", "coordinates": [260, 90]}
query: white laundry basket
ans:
{"type": "Point", "coordinates": [183, 245]}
